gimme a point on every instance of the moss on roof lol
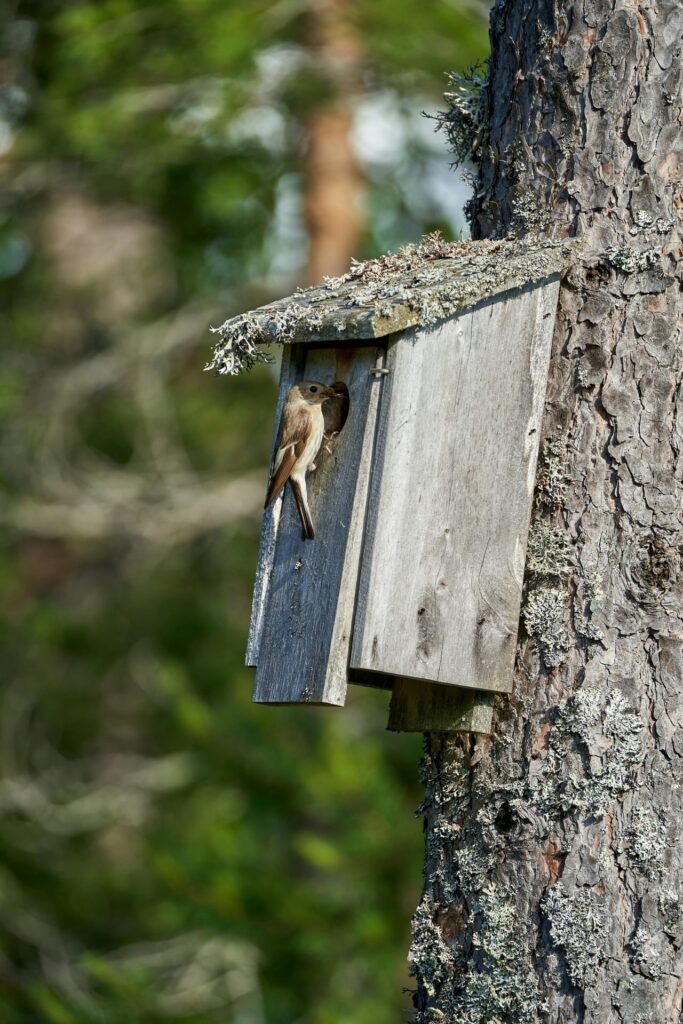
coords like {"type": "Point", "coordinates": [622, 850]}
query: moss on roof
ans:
{"type": "Point", "coordinates": [420, 284]}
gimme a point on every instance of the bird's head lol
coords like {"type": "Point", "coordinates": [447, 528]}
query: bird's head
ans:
{"type": "Point", "coordinates": [313, 392]}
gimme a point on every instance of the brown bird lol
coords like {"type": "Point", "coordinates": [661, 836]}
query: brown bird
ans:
{"type": "Point", "coordinates": [299, 440]}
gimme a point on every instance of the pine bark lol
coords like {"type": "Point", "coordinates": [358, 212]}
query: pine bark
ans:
{"type": "Point", "coordinates": [554, 858]}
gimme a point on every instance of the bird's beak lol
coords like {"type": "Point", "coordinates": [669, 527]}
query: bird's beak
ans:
{"type": "Point", "coordinates": [330, 393]}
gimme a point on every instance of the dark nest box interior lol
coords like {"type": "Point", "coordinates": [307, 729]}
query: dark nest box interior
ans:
{"type": "Point", "coordinates": [423, 490]}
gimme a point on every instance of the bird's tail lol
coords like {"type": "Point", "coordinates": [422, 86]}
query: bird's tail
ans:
{"type": "Point", "coordinates": [301, 498]}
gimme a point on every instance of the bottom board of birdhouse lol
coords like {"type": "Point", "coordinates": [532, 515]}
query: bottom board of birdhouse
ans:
{"type": "Point", "coordinates": [417, 706]}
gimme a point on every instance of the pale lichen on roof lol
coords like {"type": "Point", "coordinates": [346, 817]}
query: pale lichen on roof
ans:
{"type": "Point", "coordinates": [418, 285]}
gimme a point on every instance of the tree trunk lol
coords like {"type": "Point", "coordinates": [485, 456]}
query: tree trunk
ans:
{"type": "Point", "coordinates": [553, 853]}
{"type": "Point", "coordinates": [333, 182]}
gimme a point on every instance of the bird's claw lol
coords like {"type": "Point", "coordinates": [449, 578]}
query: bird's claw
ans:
{"type": "Point", "coordinates": [329, 438]}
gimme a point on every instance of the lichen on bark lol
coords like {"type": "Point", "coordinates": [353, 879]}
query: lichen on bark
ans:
{"type": "Point", "coordinates": [463, 122]}
{"type": "Point", "coordinates": [571, 812]}
{"type": "Point", "coordinates": [418, 285]}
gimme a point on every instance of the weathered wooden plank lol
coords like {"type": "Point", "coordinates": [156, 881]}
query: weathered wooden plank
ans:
{"type": "Point", "coordinates": [418, 706]}
{"type": "Point", "coordinates": [443, 557]}
{"type": "Point", "coordinates": [306, 624]}
{"type": "Point", "coordinates": [293, 359]}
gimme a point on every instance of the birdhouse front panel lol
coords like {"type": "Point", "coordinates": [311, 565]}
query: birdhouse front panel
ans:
{"type": "Point", "coordinates": [303, 604]}
{"type": "Point", "coordinates": [451, 492]}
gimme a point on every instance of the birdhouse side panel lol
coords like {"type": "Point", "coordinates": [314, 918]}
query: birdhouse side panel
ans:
{"type": "Point", "coordinates": [306, 623]}
{"type": "Point", "coordinates": [443, 559]}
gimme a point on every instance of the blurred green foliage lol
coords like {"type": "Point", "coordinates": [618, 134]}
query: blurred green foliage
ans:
{"type": "Point", "coordinates": [168, 851]}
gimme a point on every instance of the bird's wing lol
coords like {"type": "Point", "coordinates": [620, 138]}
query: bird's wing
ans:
{"type": "Point", "coordinates": [295, 431]}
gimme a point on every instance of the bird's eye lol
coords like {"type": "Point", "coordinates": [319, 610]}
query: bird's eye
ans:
{"type": "Point", "coordinates": [313, 388]}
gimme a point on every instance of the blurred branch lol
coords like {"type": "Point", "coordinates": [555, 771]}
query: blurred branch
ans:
{"type": "Point", "coordinates": [195, 973]}
{"type": "Point", "coordinates": [480, 8]}
{"type": "Point", "coordinates": [159, 499]}
{"type": "Point", "coordinates": [138, 358]}
{"type": "Point", "coordinates": [120, 789]}
{"type": "Point", "coordinates": [188, 513]}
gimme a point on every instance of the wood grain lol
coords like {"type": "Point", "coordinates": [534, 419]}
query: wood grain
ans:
{"type": "Point", "coordinates": [418, 706]}
{"type": "Point", "coordinates": [443, 557]}
{"type": "Point", "coordinates": [293, 360]}
{"type": "Point", "coordinates": [302, 626]}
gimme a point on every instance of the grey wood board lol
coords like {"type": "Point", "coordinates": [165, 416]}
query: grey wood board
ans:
{"type": "Point", "coordinates": [418, 706]}
{"type": "Point", "coordinates": [289, 372]}
{"type": "Point", "coordinates": [451, 494]}
{"type": "Point", "coordinates": [306, 624]}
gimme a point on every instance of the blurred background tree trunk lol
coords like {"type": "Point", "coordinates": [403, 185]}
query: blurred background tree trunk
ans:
{"type": "Point", "coordinates": [333, 180]}
{"type": "Point", "coordinates": [553, 854]}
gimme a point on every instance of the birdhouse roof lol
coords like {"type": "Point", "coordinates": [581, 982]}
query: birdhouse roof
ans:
{"type": "Point", "coordinates": [418, 285]}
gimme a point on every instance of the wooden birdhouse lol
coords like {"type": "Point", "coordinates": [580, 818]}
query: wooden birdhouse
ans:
{"type": "Point", "coordinates": [422, 491]}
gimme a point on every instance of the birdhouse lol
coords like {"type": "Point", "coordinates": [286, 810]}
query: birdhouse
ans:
{"type": "Point", "coordinates": [422, 490]}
